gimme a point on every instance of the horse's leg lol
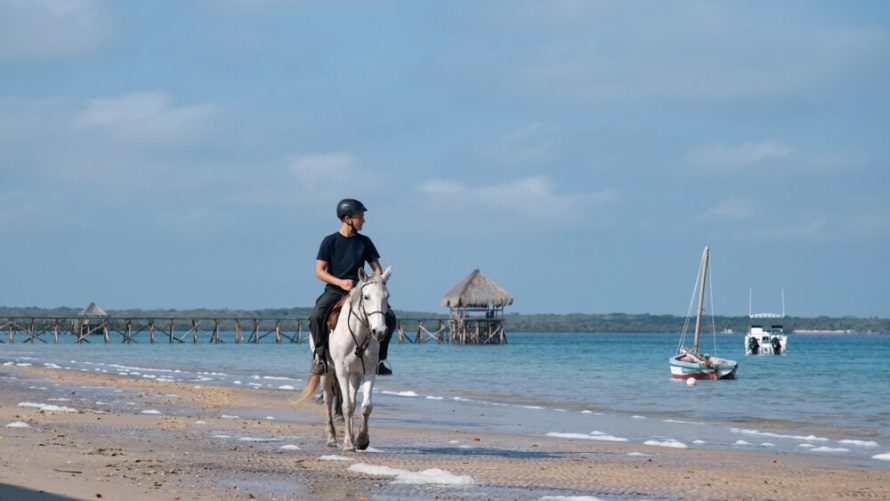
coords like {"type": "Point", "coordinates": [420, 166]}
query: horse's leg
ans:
{"type": "Point", "coordinates": [338, 401]}
{"type": "Point", "coordinates": [329, 418]}
{"type": "Point", "coordinates": [363, 440]}
{"type": "Point", "coordinates": [348, 388]}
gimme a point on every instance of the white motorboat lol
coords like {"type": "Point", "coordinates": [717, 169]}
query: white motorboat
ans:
{"type": "Point", "coordinates": [766, 332]}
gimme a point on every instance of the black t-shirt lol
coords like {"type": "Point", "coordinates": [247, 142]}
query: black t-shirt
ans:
{"type": "Point", "coordinates": [346, 255]}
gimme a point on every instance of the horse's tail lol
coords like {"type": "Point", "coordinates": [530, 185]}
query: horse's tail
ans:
{"type": "Point", "coordinates": [311, 385]}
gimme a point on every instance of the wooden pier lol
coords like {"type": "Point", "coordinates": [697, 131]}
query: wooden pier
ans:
{"type": "Point", "coordinates": [108, 329]}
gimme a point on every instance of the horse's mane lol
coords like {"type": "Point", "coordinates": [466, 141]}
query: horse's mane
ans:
{"type": "Point", "coordinates": [355, 295]}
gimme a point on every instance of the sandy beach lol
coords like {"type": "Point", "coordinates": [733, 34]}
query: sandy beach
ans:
{"type": "Point", "coordinates": [180, 441]}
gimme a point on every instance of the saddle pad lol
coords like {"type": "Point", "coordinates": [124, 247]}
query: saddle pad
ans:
{"type": "Point", "coordinates": [335, 312]}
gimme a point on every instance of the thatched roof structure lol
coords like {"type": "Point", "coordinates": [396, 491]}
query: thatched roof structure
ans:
{"type": "Point", "coordinates": [476, 290]}
{"type": "Point", "coordinates": [92, 311]}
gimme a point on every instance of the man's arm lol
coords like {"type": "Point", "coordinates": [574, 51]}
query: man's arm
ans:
{"type": "Point", "coordinates": [375, 265]}
{"type": "Point", "coordinates": [322, 274]}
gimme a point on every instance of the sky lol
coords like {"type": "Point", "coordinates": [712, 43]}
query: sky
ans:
{"type": "Point", "coordinates": [581, 154]}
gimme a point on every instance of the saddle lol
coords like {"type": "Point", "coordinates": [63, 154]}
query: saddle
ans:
{"type": "Point", "coordinates": [334, 314]}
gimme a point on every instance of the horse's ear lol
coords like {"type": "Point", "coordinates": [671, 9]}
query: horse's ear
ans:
{"type": "Point", "coordinates": [386, 273]}
{"type": "Point", "coordinates": [362, 276]}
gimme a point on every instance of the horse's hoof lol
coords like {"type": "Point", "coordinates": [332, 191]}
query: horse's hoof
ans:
{"type": "Point", "coordinates": [339, 418]}
{"type": "Point", "coordinates": [332, 443]}
{"type": "Point", "coordinates": [349, 449]}
{"type": "Point", "coordinates": [362, 444]}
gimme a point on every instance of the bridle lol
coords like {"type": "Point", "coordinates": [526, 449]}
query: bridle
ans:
{"type": "Point", "coordinates": [364, 320]}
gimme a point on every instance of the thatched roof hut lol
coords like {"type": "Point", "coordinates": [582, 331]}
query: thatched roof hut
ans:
{"type": "Point", "coordinates": [472, 296]}
{"type": "Point", "coordinates": [477, 291]}
{"type": "Point", "coordinates": [92, 311]}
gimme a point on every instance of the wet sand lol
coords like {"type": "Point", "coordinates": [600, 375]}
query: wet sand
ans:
{"type": "Point", "coordinates": [116, 437]}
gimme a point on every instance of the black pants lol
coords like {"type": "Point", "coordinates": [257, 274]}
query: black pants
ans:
{"type": "Point", "coordinates": [319, 318]}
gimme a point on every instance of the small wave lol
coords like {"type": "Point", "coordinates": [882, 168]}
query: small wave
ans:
{"type": "Point", "coordinates": [861, 443]}
{"type": "Point", "coordinates": [400, 393]}
{"type": "Point", "coordinates": [47, 407]}
{"type": "Point", "coordinates": [829, 449]}
{"type": "Point", "coordinates": [582, 436]}
{"type": "Point", "coordinates": [809, 438]}
{"type": "Point", "coordinates": [431, 476]}
{"type": "Point", "coordinates": [667, 443]}
{"type": "Point", "coordinates": [569, 498]}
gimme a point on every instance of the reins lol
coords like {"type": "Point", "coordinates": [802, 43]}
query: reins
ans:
{"type": "Point", "coordinates": [360, 347]}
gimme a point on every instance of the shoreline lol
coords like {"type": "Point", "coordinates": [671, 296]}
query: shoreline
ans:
{"type": "Point", "coordinates": [95, 434]}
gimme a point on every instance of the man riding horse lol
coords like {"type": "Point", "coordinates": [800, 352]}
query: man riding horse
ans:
{"type": "Point", "coordinates": [340, 256]}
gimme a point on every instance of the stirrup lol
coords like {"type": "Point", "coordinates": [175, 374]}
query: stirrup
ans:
{"type": "Point", "coordinates": [319, 367]}
{"type": "Point", "coordinates": [382, 369]}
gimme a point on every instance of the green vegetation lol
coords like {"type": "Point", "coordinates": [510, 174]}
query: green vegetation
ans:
{"type": "Point", "coordinates": [620, 322]}
{"type": "Point", "coordinates": [515, 322]}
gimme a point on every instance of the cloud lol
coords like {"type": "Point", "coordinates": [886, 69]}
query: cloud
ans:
{"type": "Point", "coordinates": [44, 29]}
{"type": "Point", "coordinates": [533, 199]}
{"type": "Point", "coordinates": [327, 176]}
{"type": "Point", "coordinates": [730, 209]}
{"type": "Point", "coordinates": [146, 117]}
{"type": "Point", "coordinates": [529, 144]}
{"type": "Point", "coordinates": [241, 7]}
{"type": "Point", "coordinates": [121, 144]}
{"type": "Point", "coordinates": [720, 155]}
{"type": "Point", "coordinates": [690, 51]}
{"type": "Point", "coordinates": [813, 230]}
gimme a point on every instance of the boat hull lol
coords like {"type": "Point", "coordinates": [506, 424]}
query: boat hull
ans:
{"type": "Point", "coordinates": [685, 367]}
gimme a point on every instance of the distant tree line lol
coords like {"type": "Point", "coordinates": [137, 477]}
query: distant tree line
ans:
{"type": "Point", "coordinates": [514, 322]}
{"type": "Point", "coordinates": [621, 322]}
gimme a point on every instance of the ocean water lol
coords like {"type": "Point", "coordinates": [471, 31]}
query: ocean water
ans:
{"type": "Point", "coordinates": [827, 397]}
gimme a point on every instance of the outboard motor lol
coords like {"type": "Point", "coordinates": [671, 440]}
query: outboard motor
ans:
{"type": "Point", "coordinates": [777, 346]}
{"type": "Point", "coordinates": [753, 346]}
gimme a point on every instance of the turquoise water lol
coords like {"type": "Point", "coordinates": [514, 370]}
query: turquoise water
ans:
{"type": "Point", "coordinates": [827, 396]}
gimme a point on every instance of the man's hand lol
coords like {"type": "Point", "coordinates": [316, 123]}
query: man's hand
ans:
{"type": "Point", "coordinates": [346, 284]}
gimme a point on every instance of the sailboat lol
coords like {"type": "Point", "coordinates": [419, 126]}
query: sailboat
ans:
{"type": "Point", "coordinates": [689, 363]}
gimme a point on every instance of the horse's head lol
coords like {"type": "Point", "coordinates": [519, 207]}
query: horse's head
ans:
{"type": "Point", "coordinates": [372, 297]}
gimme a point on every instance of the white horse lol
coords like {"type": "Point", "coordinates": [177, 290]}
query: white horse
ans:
{"type": "Point", "coordinates": [353, 353]}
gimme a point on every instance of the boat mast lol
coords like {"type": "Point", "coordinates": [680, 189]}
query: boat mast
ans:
{"type": "Point", "coordinates": [701, 298]}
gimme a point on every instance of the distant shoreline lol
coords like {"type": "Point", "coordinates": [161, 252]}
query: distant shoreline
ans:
{"type": "Point", "coordinates": [513, 322]}
{"type": "Point", "coordinates": [804, 331]}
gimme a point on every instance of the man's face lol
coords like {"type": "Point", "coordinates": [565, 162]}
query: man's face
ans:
{"type": "Point", "coordinates": [358, 220]}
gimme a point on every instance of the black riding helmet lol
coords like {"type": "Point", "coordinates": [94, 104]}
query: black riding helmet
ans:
{"type": "Point", "coordinates": [348, 207]}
